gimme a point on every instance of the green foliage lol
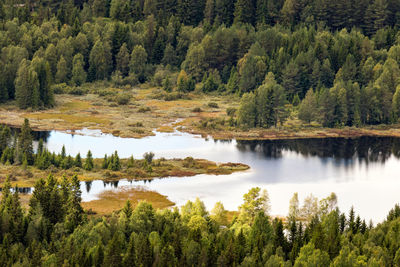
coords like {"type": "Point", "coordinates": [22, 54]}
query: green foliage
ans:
{"type": "Point", "coordinates": [78, 72]}
{"type": "Point", "coordinates": [89, 161]}
{"type": "Point", "coordinates": [27, 86]}
{"type": "Point", "coordinates": [332, 47]}
{"type": "Point", "coordinates": [142, 236]}
{"type": "Point", "coordinates": [100, 61]}
{"type": "Point", "coordinates": [308, 110]}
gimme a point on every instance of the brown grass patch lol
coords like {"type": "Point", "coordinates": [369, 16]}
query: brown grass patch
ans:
{"type": "Point", "coordinates": [166, 129]}
{"type": "Point", "coordinates": [78, 119]}
{"type": "Point", "coordinates": [75, 105]}
{"type": "Point", "coordinates": [114, 200]}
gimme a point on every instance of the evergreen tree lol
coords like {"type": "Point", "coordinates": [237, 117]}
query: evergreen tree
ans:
{"type": "Point", "coordinates": [27, 86]}
{"type": "Point", "coordinates": [247, 113]}
{"type": "Point", "coordinates": [25, 146]}
{"type": "Point", "coordinates": [308, 110]}
{"type": "Point", "coordinates": [245, 11]}
{"type": "Point", "coordinates": [62, 71]}
{"type": "Point", "coordinates": [78, 161]}
{"type": "Point", "coordinates": [138, 62]}
{"type": "Point", "coordinates": [100, 61]}
{"type": "Point", "coordinates": [88, 162]}
{"type": "Point", "coordinates": [122, 60]}
{"type": "Point", "coordinates": [78, 71]}
{"type": "Point", "coordinates": [190, 12]}
{"type": "Point", "coordinates": [42, 68]}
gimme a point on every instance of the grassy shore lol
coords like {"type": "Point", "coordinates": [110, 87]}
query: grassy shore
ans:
{"type": "Point", "coordinates": [26, 177]}
{"type": "Point", "coordinates": [113, 200]}
{"type": "Point", "coordinates": [195, 113]}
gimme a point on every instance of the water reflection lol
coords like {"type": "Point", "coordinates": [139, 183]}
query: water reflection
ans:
{"type": "Point", "coordinates": [368, 149]}
{"type": "Point", "coordinates": [21, 190]}
{"type": "Point", "coordinates": [37, 135]}
{"type": "Point", "coordinates": [362, 171]}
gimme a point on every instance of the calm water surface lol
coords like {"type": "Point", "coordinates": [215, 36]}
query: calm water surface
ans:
{"type": "Point", "coordinates": [363, 172]}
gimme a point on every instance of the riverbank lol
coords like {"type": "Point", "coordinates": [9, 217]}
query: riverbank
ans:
{"type": "Point", "coordinates": [139, 170]}
{"type": "Point", "coordinates": [146, 111]}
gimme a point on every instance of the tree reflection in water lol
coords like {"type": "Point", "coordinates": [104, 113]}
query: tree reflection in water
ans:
{"type": "Point", "coordinates": [364, 149]}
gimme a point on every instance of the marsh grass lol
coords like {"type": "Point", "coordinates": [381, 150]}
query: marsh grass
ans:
{"type": "Point", "coordinates": [115, 199]}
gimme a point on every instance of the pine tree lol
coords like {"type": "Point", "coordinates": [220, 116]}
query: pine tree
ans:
{"type": "Point", "coordinates": [88, 162]}
{"type": "Point", "coordinates": [78, 161]}
{"type": "Point", "coordinates": [63, 152]}
{"type": "Point", "coordinates": [27, 86]}
{"type": "Point", "coordinates": [375, 16]}
{"type": "Point", "coordinates": [190, 12]}
{"type": "Point", "coordinates": [308, 110]}
{"type": "Point", "coordinates": [130, 256]}
{"type": "Point", "coordinates": [78, 71]}
{"type": "Point", "coordinates": [100, 61]}
{"type": "Point", "coordinates": [247, 113]}
{"type": "Point", "coordinates": [105, 164]}
{"type": "Point", "coordinates": [122, 60]}
{"type": "Point", "coordinates": [42, 68]}
{"type": "Point", "coordinates": [74, 215]}
{"type": "Point", "coordinates": [138, 62]}
{"type": "Point", "coordinates": [245, 12]}
{"type": "Point", "coordinates": [25, 139]}
{"type": "Point", "coordinates": [62, 71]}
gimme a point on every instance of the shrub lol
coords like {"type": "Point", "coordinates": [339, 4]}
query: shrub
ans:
{"type": "Point", "coordinates": [144, 109]}
{"type": "Point", "coordinates": [197, 109]}
{"type": "Point", "coordinates": [231, 112]}
{"type": "Point", "coordinates": [123, 99]}
{"type": "Point", "coordinates": [213, 105]}
{"type": "Point", "coordinates": [148, 157]}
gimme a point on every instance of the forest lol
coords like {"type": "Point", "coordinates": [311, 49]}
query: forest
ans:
{"type": "Point", "coordinates": [55, 231]}
{"type": "Point", "coordinates": [330, 63]}
{"type": "Point", "coordinates": [334, 63]}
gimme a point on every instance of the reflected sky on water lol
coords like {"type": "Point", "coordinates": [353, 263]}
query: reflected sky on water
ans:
{"type": "Point", "coordinates": [363, 172]}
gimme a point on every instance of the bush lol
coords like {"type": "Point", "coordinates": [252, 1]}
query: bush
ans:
{"type": "Point", "coordinates": [137, 124]}
{"type": "Point", "coordinates": [197, 110]}
{"type": "Point", "coordinates": [175, 96]}
{"type": "Point", "coordinates": [231, 112]}
{"type": "Point", "coordinates": [213, 105]}
{"type": "Point", "coordinates": [123, 99]}
{"type": "Point", "coordinates": [77, 91]}
{"type": "Point", "coordinates": [144, 109]}
{"type": "Point", "coordinates": [148, 157]}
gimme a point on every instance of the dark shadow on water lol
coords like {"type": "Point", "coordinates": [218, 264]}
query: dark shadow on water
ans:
{"type": "Point", "coordinates": [344, 151]}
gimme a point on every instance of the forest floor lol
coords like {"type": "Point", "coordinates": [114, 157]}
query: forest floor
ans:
{"type": "Point", "coordinates": [147, 111]}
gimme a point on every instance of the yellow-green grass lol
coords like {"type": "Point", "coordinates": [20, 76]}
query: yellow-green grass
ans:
{"type": "Point", "coordinates": [103, 113]}
{"type": "Point", "coordinates": [114, 200]}
{"type": "Point", "coordinates": [26, 177]}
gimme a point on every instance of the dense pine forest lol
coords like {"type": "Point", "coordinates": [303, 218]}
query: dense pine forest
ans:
{"type": "Point", "coordinates": [337, 63]}
{"type": "Point", "coordinates": [55, 231]}
{"type": "Point", "coordinates": [333, 63]}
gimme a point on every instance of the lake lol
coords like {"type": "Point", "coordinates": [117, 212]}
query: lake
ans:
{"type": "Point", "coordinates": [363, 172]}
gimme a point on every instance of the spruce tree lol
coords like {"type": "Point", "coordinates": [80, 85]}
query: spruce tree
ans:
{"type": "Point", "coordinates": [122, 60]}
{"type": "Point", "coordinates": [27, 86]}
{"type": "Point", "coordinates": [62, 71]}
{"type": "Point", "coordinates": [245, 11]}
{"type": "Point", "coordinates": [25, 146]}
{"type": "Point", "coordinates": [88, 162]}
{"type": "Point", "coordinates": [78, 161]}
{"type": "Point", "coordinates": [78, 71]}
